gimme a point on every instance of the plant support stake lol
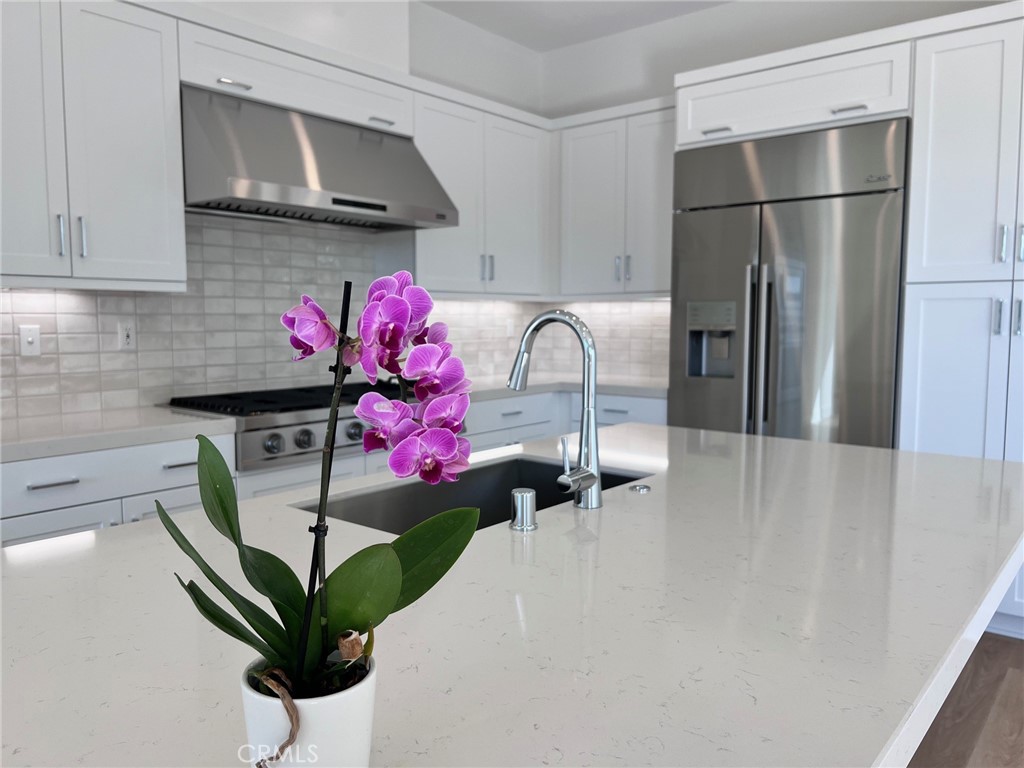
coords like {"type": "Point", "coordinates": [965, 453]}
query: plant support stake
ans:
{"type": "Point", "coordinates": [317, 569]}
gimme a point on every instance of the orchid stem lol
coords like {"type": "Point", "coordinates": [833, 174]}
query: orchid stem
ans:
{"type": "Point", "coordinates": [317, 570]}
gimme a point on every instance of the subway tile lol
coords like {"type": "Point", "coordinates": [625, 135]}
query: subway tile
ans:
{"type": "Point", "coordinates": [185, 376]}
{"type": "Point", "coordinates": [78, 342]}
{"type": "Point", "coordinates": [44, 405]}
{"type": "Point", "coordinates": [219, 306]}
{"type": "Point", "coordinates": [188, 358]}
{"type": "Point", "coordinates": [34, 366]}
{"type": "Point", "coordinates": [216, 253]}
{"type": "Point", "coordinates": [215, 236]}
{"type": "Point", "coordinates": [119, 380]}
{"type": "Point", "coordinates": [77, 403]}
{"type": "Point", "coordinates": [153, 304]}
{"type": "Point", "coordinates": [188, 340]}
{"type": "Point", "coordinates": [119, 398]}
{"type": "Point", "coordinates": [220, 323]}
{"type": "Point", "coordinates": [119, 361]}
{"type": "Point", "coordinates": [37, 385]}
{"type": "Point", "coordinates": [161, 359]}
{"type": "Point", "coordinates": [155, 378]}
{"type": "Point", "coordinates": [186, 323]}
{"type": "Point", "coordinates": [116, 304]}
{"type": "Point", "coordinates": [33, 302]}
{"type": "Point", "coordinates": [76, 323]}
{"type": "Point", "coordinates": [79, 382]}
{"type": "Point", "coordinates": [46, 323]}
{"type": "Point", "coordinates": [252, 240]}
{"type": "Point", "coordinates": [218, 272]}
{"type": "Point", "coordinates": [155, 341]}
{"type": "Point", "coordinates": [76, 302]}
{"type": "Point", "coordinates": [156, 395]}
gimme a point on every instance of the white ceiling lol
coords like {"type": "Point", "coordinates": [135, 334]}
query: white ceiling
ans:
{"type": "Point", "coordinates": [543, 25]}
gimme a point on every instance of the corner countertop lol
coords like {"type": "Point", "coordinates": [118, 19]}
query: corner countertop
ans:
{"type": "Point", "coordinates": [770, 602]}
{"type": "Point", "coordinates": [42, 436]}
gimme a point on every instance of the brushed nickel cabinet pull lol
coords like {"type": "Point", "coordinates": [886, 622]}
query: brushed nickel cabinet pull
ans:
{"type": "Point", "coordinates": [851, 108]}
{"type": "Point", "coordinates": [629, 267]}
{"type": "Point", "coordinates": [85, 241]}
{"type": "Point", "coordinates": [181, 464]}
{"type": "Point", "coordinates": [483, 267]}
{"type": "Point", "coordinates": [720, 129]}
{"type": "Point", "coordinates": [234, 83]}
{"type": "Point", "coordinates": [512, 413]}
{"type": "Point", "coordinates": [381, 120]}
{"type": "Point", "coordinates": [63, 236]}
{"type": "Point", "coordinates": [491, 274]}
{"type": "Point", "coordinates": [618, 269]}
{"type": "Point", "coordinates": [622, 411]}
{"type": "Point", "coordinates": [52, 484]}
{"type": "Point", "coordinates": [998, 329]}
{"type": "Point", "coordinates": [1004, 232]}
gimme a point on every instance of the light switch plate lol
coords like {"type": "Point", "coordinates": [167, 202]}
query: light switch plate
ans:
{"type": "Point", "coordinates": [31, 346]}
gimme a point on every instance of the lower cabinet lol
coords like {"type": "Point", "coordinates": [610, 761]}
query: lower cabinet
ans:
{"type": "Point", "coordinates": [252, 485]}
{"type": "Point", "coordinates": [619, 409]}
{"type": "Point", "coordinates": [143, 506]}
{"type": "Point", "coordinates": [60, 522]}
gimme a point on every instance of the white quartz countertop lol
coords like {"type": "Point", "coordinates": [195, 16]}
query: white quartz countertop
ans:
{"type": "Point", "coordinates": [41, 436]}
{"type": "Point", "coordinates": [770, 602]}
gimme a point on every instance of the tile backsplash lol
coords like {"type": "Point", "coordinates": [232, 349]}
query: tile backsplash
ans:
{"type": "Point", "coordinates": [224, 333]}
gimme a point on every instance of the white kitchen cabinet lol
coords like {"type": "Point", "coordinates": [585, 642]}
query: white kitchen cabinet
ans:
{"type": "Point", "coordinates": [254, 484]}
{"type": "Point", "coordinates": [1014, 450]}
{"type": "Point", "coordinates": [594, 208]}
{"type": "Point", "coordinates": [858, 84]}
{"type": "Point", "coordinates": [222, 62]}
{"type": "Point", "coordinates": [174, 500]}
{"type": "Point", "coordinates": [34, 196]}
{"type": "Point", "coordinates": [114, 204]}
{"type": "Point", "coordinates": [617, 205]}
{"type": "Point", "coordinates": [495, 171]}
{"type": "Point", "coordinates": [60, 522]}
{"type": "Point", "coordinates": [649, 170]}
{"type": "Point", "coordinates": [963, 185]}
{"type": "Point", "coordinates": [954, 368]}
{"type": "Point", "coordinates": [619, 409]}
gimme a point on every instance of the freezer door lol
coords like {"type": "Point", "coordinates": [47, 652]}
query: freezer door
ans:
{"type": "Point", "coordinates": [832, 301]}
{"type": "Point", "coordinates": [714, 258]}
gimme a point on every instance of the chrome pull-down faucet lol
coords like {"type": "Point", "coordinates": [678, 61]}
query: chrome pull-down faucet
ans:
{"type": "Point", "coordinates": [585, 480]}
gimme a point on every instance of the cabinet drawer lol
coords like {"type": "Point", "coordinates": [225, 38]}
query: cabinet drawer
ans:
{"type": "Point", "coordinates": [618, 409]}
{"type": "Point", "coordinates": [229, 64]}
{"type": "Point", "coordinates": [64, 481]}
{"type": "Point", "coordinates": [514, 436]}
{"type": "Point", "coordinates": [42, 525]}
{"type": "Point", "coordinates": [143, 506]}
{"type": "Point", "coordinates": [253, 484]}
{"type": "Point", "coordinates": [491, 415]}
{"type": "Point", "coordinates": [866, 82]}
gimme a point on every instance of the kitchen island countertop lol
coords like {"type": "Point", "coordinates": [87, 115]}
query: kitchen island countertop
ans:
{"type": "Point", "coordinates": [769, 602]}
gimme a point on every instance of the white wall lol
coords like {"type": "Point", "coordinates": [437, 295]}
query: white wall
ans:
{"type": "Point", "coordinates": [445, 49]}
{"type": "Point", "coordinates": [375, 31]}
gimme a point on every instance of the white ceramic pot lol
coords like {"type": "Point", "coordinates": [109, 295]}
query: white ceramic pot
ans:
{"type": "Point", "coordinates": [334, 730]}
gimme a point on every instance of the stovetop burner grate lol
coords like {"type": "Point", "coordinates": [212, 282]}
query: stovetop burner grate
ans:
{"type": "Point", "coordinates": [280, 400]}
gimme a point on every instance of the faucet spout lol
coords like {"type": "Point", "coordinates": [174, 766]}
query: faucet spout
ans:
{"type": "Point", "coordinates": [585, 480]}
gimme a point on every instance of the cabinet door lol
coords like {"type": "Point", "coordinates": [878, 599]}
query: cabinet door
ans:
{"type": "Point", "coordinates": [515, 203]}
{"type": "Point", "coordinates": [955, 357]}
{"type": "Point", "coordinates": [143, 506]}
{"type": "Point", "coordinates": [451, 138]}
{"type": "Point", "coordinates": [124, 142]}
{"type": "Point", "coordinates": [963, 177]}
{"type": "Point", "coordinates": [34, 197]}
{"type": "Point", "coordinates": [254, 484]}
{"type": "Point", "coordinates": [649, 155]}
{"type": "Point", "coordinates": [1014, 450]}
{"type": "Point", "coordinates": [60, 522]}
{"type": "Point", "coordinates": [593, 208]}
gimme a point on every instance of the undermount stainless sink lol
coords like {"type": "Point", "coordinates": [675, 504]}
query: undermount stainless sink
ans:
{"type": "Point", "coordinates": [397, 507]}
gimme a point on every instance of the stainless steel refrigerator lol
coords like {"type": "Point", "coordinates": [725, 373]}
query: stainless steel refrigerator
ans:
{"type": "Point", "coordinates": [786, 284]}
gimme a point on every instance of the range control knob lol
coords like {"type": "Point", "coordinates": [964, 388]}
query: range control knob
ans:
{"type": "Point", "coordinates": [354, 431]}
{"type": "Point", "coordinates": [274, 443]}
{"type": "Point", "coordinates": [304, 439]}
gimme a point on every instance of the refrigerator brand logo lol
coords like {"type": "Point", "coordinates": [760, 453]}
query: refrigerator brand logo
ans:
{"type": "Point", "coordinates": [877, 178]}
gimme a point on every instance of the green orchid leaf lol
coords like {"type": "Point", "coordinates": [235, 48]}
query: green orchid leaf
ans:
{"type": "Point", "coordinates": [363, 589]}
{"type": "Point", "coordinates": [274, 579]}
{"type": "Point", "coordinates": [264, 625]}
{"type": "Point", "coordinates": [227, 623]}
{"type": "Point", "coordinates": [217, 491]}
{"type": "Point", "coordinates": [429, 549]}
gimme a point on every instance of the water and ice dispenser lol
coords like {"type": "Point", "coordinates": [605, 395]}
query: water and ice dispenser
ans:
{"type": "Point", "coordinates": [711, 333]}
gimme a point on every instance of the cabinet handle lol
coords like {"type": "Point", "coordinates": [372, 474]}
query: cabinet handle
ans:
{"type": "Point", "coordinates": [381, 120]}
{"type": "Point", "coordinates": [181, 464]}
{"type": "Point", "coordinates": [512, 413]}
{"type": "Point", "coordinates": [998, 329]}
{"type": "Point", "coordinates": [483, 267]}
{"type": "Point", "coordinates": [1017, 328]}
{"type": "Point", "coordinates": [720, 129]}
{"type": "Point", "coordinates": [1020, 246]}
{"type": "Point", "coordinates": [851, 108]}
{"type": "Point", "coordinates": [622, 411]}
{"type": "Point", "coordinates": [618, 269]}
{"type": "Point", "coordinates": [85, 241]}
{"type": "Point", "coordinates": [629, 267]}
{"type": "Point", "coordinates": [1004, 232]}
{"type": "Point", "coordinates": [63, 236]}
{"type": "Point", "coordinates": [491, 274]}
{"type": "Point", "coordinates": [52, 484]}
{"type": "Point", "coordinates": [234, 83]}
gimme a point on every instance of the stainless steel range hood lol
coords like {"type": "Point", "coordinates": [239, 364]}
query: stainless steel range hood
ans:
{"type": "Point", "coordinates": [251, 159]}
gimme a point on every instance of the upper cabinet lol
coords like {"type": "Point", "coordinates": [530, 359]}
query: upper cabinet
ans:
{"type": "Point", "coordinates": [222, 62]}
{"type": "Point", "coordinates": [617, 205]}
{"type": "Point", "coordinates": [495, 171]}
{"type": "Point", "coordinates": [868, 82]}
{"type": "Point", "coordinates": [963, 217]}
{"type": "Point", "coordinates": [102, 80]}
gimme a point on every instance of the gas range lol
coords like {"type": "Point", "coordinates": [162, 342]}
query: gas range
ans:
{"type": "Point", "coordinates": [280, 427]}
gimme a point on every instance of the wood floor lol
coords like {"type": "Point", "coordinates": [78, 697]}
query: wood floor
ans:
{"type": "Point", "coordinates": [981, 724]}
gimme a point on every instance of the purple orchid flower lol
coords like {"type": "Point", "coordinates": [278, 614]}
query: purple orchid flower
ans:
{"type": "Point", "coordinates": [383, 416]}
{"type": "Point", "coordinates": [436, 370]}
{"type": "Point", "coordinates": [434, 333]}
{"type": "Point", "coordinates": [444, 412]}
{"type": "Point", "coordinates": [460, 463]}
{"type": "Point", "coordinates": [311, 330]}
{"type": "Point", "coordinates": [427, 454]}
{"type": "Point", "coordinates": [382, 329]}
{"type": "Point", "coordinates": [420, 303]}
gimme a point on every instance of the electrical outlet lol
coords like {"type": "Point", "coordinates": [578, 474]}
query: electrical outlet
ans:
{"type": "Point", "coordinates": [125, 334]}
{"type": "Point", "coordinates": [31, 346]}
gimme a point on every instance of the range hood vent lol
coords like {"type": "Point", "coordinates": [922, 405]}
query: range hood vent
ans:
{"type": "Point", "coordinates": [244, 158]}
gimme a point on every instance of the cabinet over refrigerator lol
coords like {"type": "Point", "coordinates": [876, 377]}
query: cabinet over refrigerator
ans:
{"type": "Point", "coordinates": [786, 284]}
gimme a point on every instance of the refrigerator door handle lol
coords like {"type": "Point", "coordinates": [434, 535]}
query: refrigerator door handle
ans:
{"type": "Point", "coordinates": [760, 368]}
